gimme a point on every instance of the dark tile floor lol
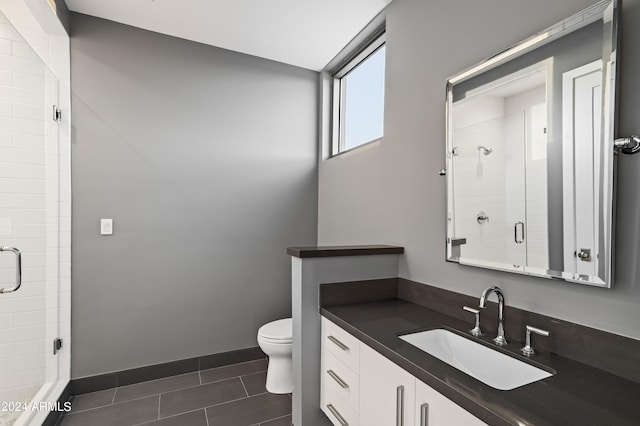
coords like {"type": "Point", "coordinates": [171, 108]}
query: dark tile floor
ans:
{"type": "Point", "coordinates": [233, 395]}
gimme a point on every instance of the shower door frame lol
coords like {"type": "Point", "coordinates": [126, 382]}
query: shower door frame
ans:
{"type": "Point", "coordinates": [39, 25]}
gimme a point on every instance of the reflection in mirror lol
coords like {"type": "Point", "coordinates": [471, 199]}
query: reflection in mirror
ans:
{"type": "Point", "coordinates": [530, 154]}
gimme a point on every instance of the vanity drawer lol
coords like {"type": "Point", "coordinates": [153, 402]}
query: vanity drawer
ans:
{"type": "Point", "coordinates": [338, 410]}
{"type": "Point", "coordinates": [339, 379]}
{"type": "Point", "coordinates": [341, 344]}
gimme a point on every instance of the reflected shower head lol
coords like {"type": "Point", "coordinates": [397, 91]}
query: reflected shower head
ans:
{"type": "Point", "coordinates": [485, 150]}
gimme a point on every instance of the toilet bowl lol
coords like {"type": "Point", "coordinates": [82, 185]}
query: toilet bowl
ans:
{"type": "Point", "coordinates": [275, 340]}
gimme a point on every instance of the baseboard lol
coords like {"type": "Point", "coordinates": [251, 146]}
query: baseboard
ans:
{"type": "Point", "coordinates": [159, 371]}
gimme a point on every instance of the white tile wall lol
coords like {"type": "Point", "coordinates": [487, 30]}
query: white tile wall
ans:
{"type": "Point", "coordinates": [495, 184]}
{"type": "Point", "coordinates": [480, 179]}
{"type": "Point", "coordinates": [34, 189]}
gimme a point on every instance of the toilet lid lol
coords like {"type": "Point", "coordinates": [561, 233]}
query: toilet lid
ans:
{"type": "Point", "coordinates": [280, 330]}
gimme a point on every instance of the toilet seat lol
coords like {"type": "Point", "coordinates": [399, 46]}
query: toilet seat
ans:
{"type": "Point", "coordinates": [277, 332]}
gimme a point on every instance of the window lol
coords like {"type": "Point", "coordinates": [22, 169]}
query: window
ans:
{"type": "Point", "coordinates": [358, 98]}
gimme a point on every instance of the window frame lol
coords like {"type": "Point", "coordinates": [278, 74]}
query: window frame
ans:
{"type": "Point", "coordinates": [359, 55]}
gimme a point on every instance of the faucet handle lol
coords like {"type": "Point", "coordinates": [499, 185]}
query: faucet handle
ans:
{"type": "Point", "coordinates": [527, 350]}
{"type": "Point", "coordinates": [475, 331]}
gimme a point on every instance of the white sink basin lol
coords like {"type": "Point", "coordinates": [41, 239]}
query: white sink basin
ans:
{"type": "Point", "coordinates": [491, 367]}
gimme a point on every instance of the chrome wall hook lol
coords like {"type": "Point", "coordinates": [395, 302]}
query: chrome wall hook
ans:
{"type": "Point", "coordinates": [630, 145]}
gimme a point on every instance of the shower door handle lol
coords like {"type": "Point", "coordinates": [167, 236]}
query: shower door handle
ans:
{"type": "Point", "coordinates": [18, 282]}
{"type": "Point", "coordinates": [515, 232]}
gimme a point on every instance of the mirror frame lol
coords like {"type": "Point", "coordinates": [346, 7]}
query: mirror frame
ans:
{"type": "Point", "coordinates": [606, 211]}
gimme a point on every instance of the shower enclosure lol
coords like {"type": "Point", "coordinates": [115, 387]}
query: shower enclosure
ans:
{"type": "Point", "coordinates": [34, 232]}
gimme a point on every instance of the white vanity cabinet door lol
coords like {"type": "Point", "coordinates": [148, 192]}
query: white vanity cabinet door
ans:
{"type": "Point", "coordinates": [379, 383]}
{"type": "Point", "coordinates": [440, 411]}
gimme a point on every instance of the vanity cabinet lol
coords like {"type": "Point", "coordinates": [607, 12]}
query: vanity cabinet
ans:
{"type": "Point", "coordinates": [387, 392]}
{"type": "Point", "coordinates": [359, 386]}
{"type": "Point", "coordinates": [340, 375]}
{"type": "Point", "coordinates": [433, 409]}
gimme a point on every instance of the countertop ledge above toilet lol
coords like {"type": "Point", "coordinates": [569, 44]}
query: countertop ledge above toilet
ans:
{"type": "Point", "coordinates": [337, 251]}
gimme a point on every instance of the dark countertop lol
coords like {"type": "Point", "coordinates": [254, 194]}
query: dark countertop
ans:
{"type": "Point", "coordinates": [337, 251]}
{"type": "Point", "coordinates": [576, 395]}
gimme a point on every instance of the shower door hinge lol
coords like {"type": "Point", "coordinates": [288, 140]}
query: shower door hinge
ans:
{"type": "Point", "coordinates": [57, 345]}
{"type": "Point", "coordinates": [57, 114]}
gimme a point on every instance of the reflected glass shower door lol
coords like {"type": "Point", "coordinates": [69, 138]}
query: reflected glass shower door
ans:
{"type": "Point", "coordinates": [29, 222]}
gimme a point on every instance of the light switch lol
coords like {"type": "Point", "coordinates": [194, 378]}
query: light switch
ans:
{"type": "Point", "coordinates": [106, 226]}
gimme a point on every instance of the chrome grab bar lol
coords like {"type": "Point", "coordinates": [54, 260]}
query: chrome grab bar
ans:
{"type": "Point", "coordinates": [18, 269]}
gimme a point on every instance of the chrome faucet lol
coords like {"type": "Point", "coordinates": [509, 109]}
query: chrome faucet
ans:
{"type": "Point", "coordinates": [500, 339]}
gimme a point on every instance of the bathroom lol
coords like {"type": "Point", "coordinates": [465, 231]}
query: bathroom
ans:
{"type": "Point", "coordinates": [211, 163]}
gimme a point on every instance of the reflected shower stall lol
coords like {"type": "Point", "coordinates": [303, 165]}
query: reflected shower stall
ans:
{"type": "Point", "coordinates": [34, 218]}
{"type": "Point", "coordinates": [500, 157]}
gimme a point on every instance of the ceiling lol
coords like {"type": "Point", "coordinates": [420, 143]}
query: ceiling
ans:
{"type": "Point", "coordinates": [305, 33]}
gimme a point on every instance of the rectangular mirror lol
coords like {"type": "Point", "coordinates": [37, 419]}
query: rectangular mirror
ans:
{"type": "Point", "coordinates": [530, 157]}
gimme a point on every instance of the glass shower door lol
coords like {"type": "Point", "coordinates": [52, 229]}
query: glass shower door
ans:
{"type": "Point", "coordinates": [29, 227]}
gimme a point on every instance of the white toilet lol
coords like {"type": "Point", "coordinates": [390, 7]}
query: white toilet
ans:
{"type": "Point", "coordinates": [275, 340]}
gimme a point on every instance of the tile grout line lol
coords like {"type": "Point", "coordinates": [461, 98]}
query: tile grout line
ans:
{"type": "Point", "coordinates": [139, 383]}
{"type": "Point", "coordinates": [214, 405]}
{"type": "Point", "coordinates": [111, 405]}
{"type": "Point", "coordinates": [206, 416]}
{"type": "Point", "coordinates": [140, 397]}
{"type": "Point", "coordinates": [179, 389]}
{"type": "Point", "coordinates": [156, 380]}
{"type": "Point", "coordinates": [239, 399]}
{"type": "Point", "coordinates": [243, 386]}
{"type": "Point", "coordinates": [232, 400]}
{"type": "Point", "coordinates": [233, 377]}
{"type": "Point", "coordinates": [154, 394]}
{"type": "Point", "coordinates": [234, 365]}
{"type": "Point", "coordinates": [158, 393]}
{"type": "Point", "coordinates": [88, 409]}
{"type": "Point", "coordinates": [170, 417]}
{"type": "Point", "coordinates": [275, 418]}
{"type": "Point", "coordinates": [182, 374]}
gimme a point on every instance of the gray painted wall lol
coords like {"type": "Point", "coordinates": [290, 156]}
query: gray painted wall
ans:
{"type": "Point", "coordinates": [307, 275]}
{"type": "Point", "coordinates": [206, 160]}
{"type": "Point", "coordinates": [390, 191]}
